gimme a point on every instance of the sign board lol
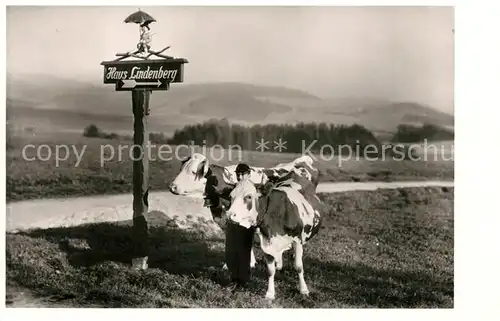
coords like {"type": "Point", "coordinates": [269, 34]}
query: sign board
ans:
{"type": "Point", "coordinates": [144, 74]}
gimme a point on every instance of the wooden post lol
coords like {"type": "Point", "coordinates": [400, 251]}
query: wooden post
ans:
{"type": "Point", "coordinates": [141, 77]}
{"type": "Point", "coordinates": [140, 105]}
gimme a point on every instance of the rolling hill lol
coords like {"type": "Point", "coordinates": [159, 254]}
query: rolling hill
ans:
{"type": "Point", "coordinates": [55, 103]}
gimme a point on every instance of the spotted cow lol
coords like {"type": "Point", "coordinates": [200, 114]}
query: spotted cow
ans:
{"type": "Point", "coordinates": [286, 216]}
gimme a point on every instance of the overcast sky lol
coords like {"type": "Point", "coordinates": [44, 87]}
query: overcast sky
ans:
{"type": "Point", "coordinates": [400, 53]}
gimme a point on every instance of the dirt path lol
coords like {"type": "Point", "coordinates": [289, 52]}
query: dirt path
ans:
{"type": "Point", "coordinates": [95, 209]}
{"type": "Point", "coordinates": [370, 186]}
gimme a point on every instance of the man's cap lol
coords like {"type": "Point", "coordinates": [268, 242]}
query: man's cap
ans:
{"type": "Point", "coordinates": [242, 168]}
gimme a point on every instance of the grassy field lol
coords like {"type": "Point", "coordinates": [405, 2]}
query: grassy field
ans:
{"type": "Point", "coordinates": [46, 179]}
{"type": "Point", "coordinates": [386, 248]}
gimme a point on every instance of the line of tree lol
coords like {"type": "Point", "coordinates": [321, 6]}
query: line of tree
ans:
{"type": "Point", "coordinates": [93, 131]}
{"type": "Point", "coordinates": [414, 134]}
{"type": "Point", "coordinates": [297, 137]}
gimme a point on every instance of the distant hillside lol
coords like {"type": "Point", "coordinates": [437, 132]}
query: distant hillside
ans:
{"type": "Point", "coordinates": [69, 103]}
{"type": "Point", "coordinates": [23, 116]}
{"type": "Point", "coordinates": [414, 134]}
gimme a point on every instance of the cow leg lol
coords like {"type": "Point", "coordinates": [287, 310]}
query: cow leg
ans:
{"type": "Point", "coordinates": [271, 271]}
{"type": "Point", "coordinates": [279, 259]}
{"type": "Point", "coordinates": [299, 267]}
{"type": "Point", "coordinates": [279, 262]}
{"type": "Point", "coordinates": [253, 262]}
{"type": "Point", "coordinates": [220, 220]}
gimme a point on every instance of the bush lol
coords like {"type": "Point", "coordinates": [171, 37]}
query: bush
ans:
{"type": "Point", "coordinates": [110, 136]}
{"type": "Point", "coordinates": [92, 131]}
{"type": "Point", "coordinates": [158, 138]}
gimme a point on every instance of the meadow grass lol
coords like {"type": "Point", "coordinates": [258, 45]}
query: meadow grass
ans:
{"type": "Point", "coordinates": [46, 179]}
{"type": "Point", "coordinates": [384, 248]}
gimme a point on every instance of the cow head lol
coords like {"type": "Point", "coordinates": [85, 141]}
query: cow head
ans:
{"type": "Point", "coordinates": [304, 167]}
{"type": "Point", "coordinates": [244, 203]}
{"type": "Point", "coordinates": [301, 171]}
{"type": "Point", "coordinates": [305, 159]}
{"type": "Point", "coordinates": [191, 178]}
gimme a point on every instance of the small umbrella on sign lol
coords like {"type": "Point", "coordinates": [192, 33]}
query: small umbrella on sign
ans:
{"type": "Point", "coordinates": [141, 18]}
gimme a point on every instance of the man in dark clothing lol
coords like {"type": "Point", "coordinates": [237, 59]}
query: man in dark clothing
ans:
{"type": "Point", "coordinates": [238, 239]}
{"type": "Point", "coordinates": [239, 244]}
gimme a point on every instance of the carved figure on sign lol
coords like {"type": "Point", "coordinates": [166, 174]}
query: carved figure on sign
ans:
{"type": "Point", "coordinates": [144, 46]}
{"type": "Point", "coordinates": [145, 39]}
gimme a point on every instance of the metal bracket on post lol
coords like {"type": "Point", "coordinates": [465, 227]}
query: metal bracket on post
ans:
{"type": "Point", "coordinates": [142, 77]}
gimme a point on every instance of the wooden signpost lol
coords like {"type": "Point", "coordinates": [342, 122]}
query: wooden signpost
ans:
{"type": "Point", "coordinates": [141, 76]}
{"type": "Point", "coordinates": [144, 74]}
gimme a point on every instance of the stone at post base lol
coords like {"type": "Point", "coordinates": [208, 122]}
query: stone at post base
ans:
{"type": "Point", "coordinates": [140, 263]}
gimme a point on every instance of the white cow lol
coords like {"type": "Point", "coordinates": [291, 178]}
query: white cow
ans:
{"type": "Point", "coordinates": [291, 217]}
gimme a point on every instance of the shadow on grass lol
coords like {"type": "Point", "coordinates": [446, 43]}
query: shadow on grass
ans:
{"type": "Point", "coordinates": [170, 248]}
{"type": "Point", "coordinates": [362, 285]}
{"type": "Point", "coordinates": [356, 284]}
{"type": "Point", "coordinates": [192, 261]}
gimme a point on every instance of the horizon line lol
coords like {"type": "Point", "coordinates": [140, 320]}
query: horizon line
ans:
{"type": "Point", "coordinates": [235, 82]}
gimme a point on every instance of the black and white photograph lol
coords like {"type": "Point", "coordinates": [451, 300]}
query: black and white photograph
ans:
{"type": "Point", "coordinates": [219, 157]}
